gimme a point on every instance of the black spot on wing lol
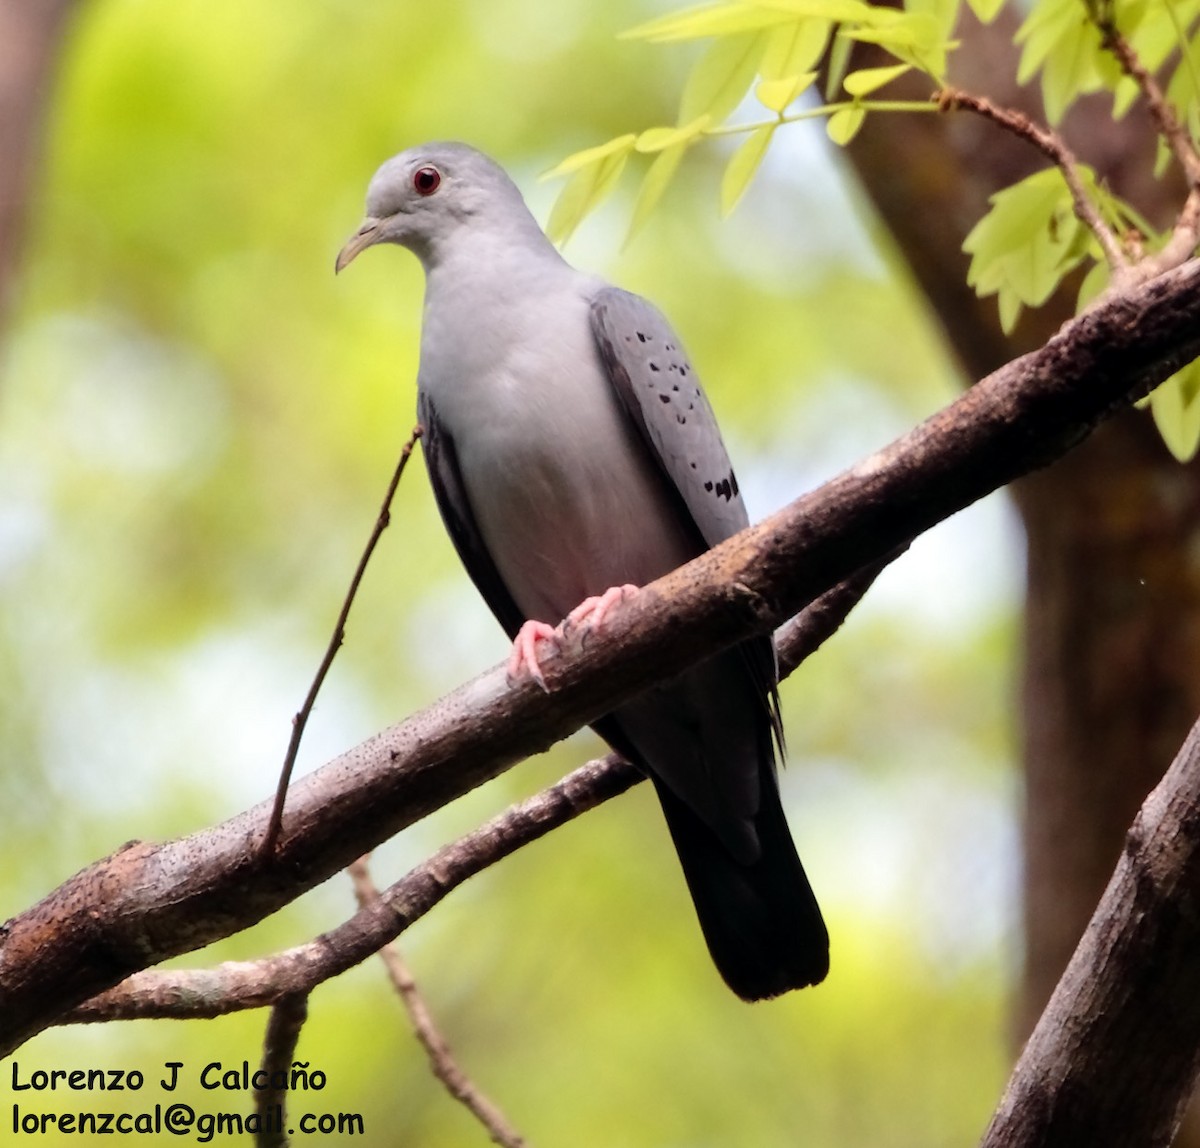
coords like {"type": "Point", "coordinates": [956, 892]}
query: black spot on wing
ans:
{"type": "Point", "coordinates": [726, 488]}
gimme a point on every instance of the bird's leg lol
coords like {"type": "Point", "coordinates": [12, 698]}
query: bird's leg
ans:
{"type": "Point", "coordinates": [590, 612]}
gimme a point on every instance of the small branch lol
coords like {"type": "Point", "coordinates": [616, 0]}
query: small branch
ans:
{"type": "Point", "coordinates": [279, 1049]}
{"type": "Point", "coordinates": [1052, 145]}
{"type": "Point", "coordinates": [300, 721]}
{"type": "Point", "coordinates": [1183, 242]}
{"type": "Point", "coordinates": [441, 1059]}
{"type": "Point", "coordinates": [237, 985]}
{"type": "Point", "coordinates": [1114, 1057]}
{"type": "Point", "coordinates": [1169, 127]}
{"type": "Point", "coordinates": [1186, 234]}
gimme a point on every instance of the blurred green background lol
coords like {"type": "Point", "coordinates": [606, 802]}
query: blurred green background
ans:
{"type": "Point", "coordinates": [196, 424]}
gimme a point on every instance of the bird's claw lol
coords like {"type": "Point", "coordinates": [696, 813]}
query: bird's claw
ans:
{"type": "Point", "coordinates": [593, 611]}
{"type": "Point", "coordinates": [524, 654]}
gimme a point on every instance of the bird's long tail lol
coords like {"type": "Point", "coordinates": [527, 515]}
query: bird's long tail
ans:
{"type": "Point", "coordinates": [761, 920]}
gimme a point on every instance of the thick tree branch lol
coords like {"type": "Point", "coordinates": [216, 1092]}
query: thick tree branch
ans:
{"type": "Point", "coordinates": [196, 993]}
{"type": "Point", "coordinates": [148, 902]}
{"type": "Point", "coordinates": [1115, 1055]}
{"type": "Point", "coordinates": [183, 994]}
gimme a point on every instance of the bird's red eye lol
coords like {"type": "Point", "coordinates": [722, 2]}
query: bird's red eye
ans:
{"type": "Point", "coordinates": [426, 180]}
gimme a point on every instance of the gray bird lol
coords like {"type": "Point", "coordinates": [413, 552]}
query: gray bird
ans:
{"type": "Point", "coordinates": [574, 457]}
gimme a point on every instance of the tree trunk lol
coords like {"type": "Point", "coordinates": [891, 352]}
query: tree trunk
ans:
{"type": "Point", "coordinates": [30, 43]}
{"type": "Point", "coordinates": [1111, 672]}
{"type": "Point", "coordinates": [1111, 682]}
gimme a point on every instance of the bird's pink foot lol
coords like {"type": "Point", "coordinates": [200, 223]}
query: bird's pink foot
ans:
{"type": "Point", "coordinates": [593, 611]}
{"type": "Point", "coordinates": [524, 652]}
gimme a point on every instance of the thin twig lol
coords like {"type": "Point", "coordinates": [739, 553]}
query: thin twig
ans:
{"type": "Point", "coordinates": [1184, 238]}
{"type": "Point", "coordinates": [279, 1049]}
{"type": "Point", "coordinates": [1186, 234]}
{"type": "Point", "coordinates": [1051, 144]}
{"type": "Point", "coordinates": [237, 985]}
{"type": "Point", "coordinates": [441, 1059]}
{"type": "Point", "coordinates": [300, 721]}
{"type": "Point", "coordinates": [1169, 127]}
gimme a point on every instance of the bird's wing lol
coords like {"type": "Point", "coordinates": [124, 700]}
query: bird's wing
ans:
{"type": "Point", "coordinates": [663, 397]}
{"type": "Point", "coordinates": [441, 459]}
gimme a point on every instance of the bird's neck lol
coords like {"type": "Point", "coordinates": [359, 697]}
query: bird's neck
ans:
{"type": "Point", "coordinates": [490, 274]}
{"type": "Point", "coordinates": [488, 259]}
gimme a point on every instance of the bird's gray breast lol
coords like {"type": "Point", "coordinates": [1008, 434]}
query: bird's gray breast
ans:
{"type": "Point", "coordinates": [561, 486]}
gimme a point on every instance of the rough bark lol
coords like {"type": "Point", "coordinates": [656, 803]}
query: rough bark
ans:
{"type": "Point", "coordinates": [1115, 1054]}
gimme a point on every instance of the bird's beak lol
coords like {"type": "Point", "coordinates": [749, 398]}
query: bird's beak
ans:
{"type": "Point", "coordinates": [363, 238]}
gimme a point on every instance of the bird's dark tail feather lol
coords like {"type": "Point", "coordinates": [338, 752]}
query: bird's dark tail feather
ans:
{"type": "Point", "coordinates": [762, 923]}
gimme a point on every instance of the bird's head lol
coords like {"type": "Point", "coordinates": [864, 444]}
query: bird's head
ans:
{"type": "Point", "coordinates": [425, 195]}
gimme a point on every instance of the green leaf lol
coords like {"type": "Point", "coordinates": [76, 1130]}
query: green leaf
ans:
{"type": "Point", "coordinates": [944, 13]}
{"type": "Point", "coordinates": [658, 176]}
{"type": "Point", "coordinates": [839, 11]}
{"type": "Point", "coordinates": [914, 37]}
{"type": "Point", "coordinates": [867, 80]}
{"type": "Point", "coordinates": [721, 78]}
{"type": "Point", "coordinates": [794, 48]}
{"type": "Point", "coordinates": [1010, 311]}
{"type": "Point", "coordinates": [586, 189]}
{"type": "Point", "coordinates": [591, 155]}
{"type": "Point", "coordinates": [1028, 241]}
{"type": "Point", "coordinates": [659, 139]}
{"type": "Point", "coordinates": [1063, 44]}
{"type": "Point", "coordinates": [742, 165]}
{"type": "Point", "coordinates": [839, 62]}
{"type": "Point", "coordinates": [1177, 413]}
{"type": "Point", "coordinates": [1016, 217]}
{"type": "Point", "coordinates": [1183, 90]}
{"type": "Point", "coordinates": [843, 125]}
{"type": "Point", "coordinates": [775, 95]}
{"type": "Point", "coordinates": [1093, 286]}
{"type": "Point", "coordinates": [709, 20]}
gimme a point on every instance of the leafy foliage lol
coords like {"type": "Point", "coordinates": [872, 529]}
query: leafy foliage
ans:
{"type": "Point", "coordinates": [779, 44]}
{"type": "Point", "coordinates": [768, 55]}
{"type": "Point", "coordinates": [1063, 44]}
{"type": "Point", "coordinates": [1031, 239]}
